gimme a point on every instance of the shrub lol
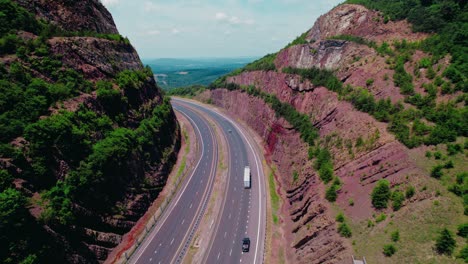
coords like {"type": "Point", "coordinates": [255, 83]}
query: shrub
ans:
{"type": "Point", "coordinates": [389, 250]}
{"type": "Point", "coordinates": [380, 218]}
{"type": "Point", "coordinates": [462, 230]}
{"type": "Point", "coordinates": [369, 82]}
{"type": "Point", "coordinates": [395, 236]}
{"type": "Point", "coordinates": [397, 198]}
{"type": "Point", "coordinates": [436, 171]}
{"type": "Point", "coordinates": [453, 149]}
{"type": "Point", "coordinates": [424, 63]}
{"type": "Point", "coordinates": [410, 191]}
{"type": "Point", "coordinates": [331, 193]}
{"type": "Point", "coordinates": [437, 155]}
{"type": "Point", "coordinates": [326, 172]}
{"type": "Point", "coordinates": [344, 230]}
{"type": "Point", "coordinates": [266, 63]}
{"type": "Point", "coordinates": [449, 164]}
{"type": "Point", "coordinates": [295, 176]}
{"type": "Point", "coordinates": [381, 194]}
{"type": "Point", "coordinates": [340, 218]}
{"type": "Point", "coordinates": [464, 253]}
{"type": "Point", "coordinates": [445, 243]}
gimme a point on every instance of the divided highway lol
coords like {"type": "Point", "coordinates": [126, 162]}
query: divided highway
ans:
{"type": "Point", "coordinates": [243, 211]}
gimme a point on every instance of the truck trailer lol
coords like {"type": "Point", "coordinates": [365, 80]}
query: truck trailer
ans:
{"type": "Point", "coordinates": [247, 178]}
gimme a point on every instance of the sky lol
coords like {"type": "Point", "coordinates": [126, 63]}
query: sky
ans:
{"type": "Point", "coordinates": [213, 28]}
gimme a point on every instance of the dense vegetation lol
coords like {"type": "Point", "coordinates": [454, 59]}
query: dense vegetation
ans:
{"type": "Point", "coordinates": [447, 18]}
{"type": "Point", "coordinates": [67, 159]}
{"type": "Point", "coordinates": [189, 91]}
{"type": "Point", "coordinates": [407, 124]}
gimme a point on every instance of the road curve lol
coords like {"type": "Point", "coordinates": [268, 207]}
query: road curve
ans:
{"type": "Point", "coordinates": [166, 242]}
{"type": "Point", "coordinates": [243, 213]}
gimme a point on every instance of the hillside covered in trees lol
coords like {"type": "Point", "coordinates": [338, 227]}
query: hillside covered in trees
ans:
{"type": "Point", "coordinates": [86, 137]}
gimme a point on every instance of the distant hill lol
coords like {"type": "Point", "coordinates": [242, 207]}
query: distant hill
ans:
{"type": "Point", "coordinates": [173, 73]}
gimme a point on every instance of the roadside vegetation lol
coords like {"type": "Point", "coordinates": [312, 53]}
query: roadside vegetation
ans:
{"type": "Point", "coordinates": [98, 150]}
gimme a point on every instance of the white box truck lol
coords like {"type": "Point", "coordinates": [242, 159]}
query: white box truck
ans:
{"type": "Point", "coordinates": [247, 178]}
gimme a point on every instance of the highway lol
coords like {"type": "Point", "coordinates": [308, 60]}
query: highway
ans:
{"type": "Point", "coordinates": [243, 212]}
{"type": "Point", "coordinates": [169, 239]}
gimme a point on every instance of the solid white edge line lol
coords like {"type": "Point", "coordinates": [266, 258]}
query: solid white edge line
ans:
{"type": "Point", "coordinates": [258, 175]}
{"type": "Point", "coordinates": [256, 163]}
{"type": "Point", "coordinates": [148, 242]}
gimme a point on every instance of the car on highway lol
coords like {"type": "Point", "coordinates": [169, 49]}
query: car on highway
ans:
{"type": "Point", "coordinates": [246, 244]}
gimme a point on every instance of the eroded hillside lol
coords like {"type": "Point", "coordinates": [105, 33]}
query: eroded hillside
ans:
{"type": "Point", "coordinates": [356, 102]}
{"type": "Point", "coordinates": [87, 138]}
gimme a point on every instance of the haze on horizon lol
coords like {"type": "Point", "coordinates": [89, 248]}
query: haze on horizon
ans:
{"type": "Point", "coordinates": [215, 29]}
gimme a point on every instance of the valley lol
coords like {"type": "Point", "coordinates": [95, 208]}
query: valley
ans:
{"type": "Point", "coordinates": [350, 142]}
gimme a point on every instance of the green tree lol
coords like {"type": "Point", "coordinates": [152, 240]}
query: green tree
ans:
{"type": "Point", "coordinates": [381, 194]}
{"type": "Point", "coordinates": [397, 198]}
{"type": "Point", "coordinates": [331, 193]}
{"type": "Point", "coordinates": [395, 236]}
{"type": "Point", "coordinates": [344, 230]}
{"type": "Point", "coordinates": [462, 230]}
{"type": "Point", "coordinates": [445, 243]}
{"type": "Point", "coordinates": [389, 250]}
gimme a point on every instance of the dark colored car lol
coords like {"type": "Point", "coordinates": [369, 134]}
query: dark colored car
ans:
{"type": "Point", "coordinates": [245, 244]}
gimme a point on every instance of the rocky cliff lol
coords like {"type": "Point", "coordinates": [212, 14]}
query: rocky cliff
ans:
{"type": "Point", "coordinates": [354, 44]}
{"type": "Point", "coordinates": [87, 137]}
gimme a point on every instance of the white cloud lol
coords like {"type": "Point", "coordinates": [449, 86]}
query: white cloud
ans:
{"type": "Point", "coordinates": [153, 32]}
{"type": "Point", "coordinates": [150, 6]}
{"type": "Point", "coordinates": [221, 16]}
{"type": "Point", "coordinates": [109, 3]}
{"type": "Point", "coordinates": [175, 31]}
{"type": "Point", "coordinates": [233, 20]}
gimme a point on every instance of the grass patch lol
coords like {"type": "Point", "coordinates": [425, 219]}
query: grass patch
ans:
{"type": "Point", "coordinates": [183, 164]}
{"type": "Point", "coordinates": [273, 197]}
{"type": "Point", "coordinates": [418, 227]}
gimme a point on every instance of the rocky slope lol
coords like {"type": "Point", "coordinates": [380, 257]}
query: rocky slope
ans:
{"type": "Point", "coordinates": [363, 150]}
{"type": "Point", "coordinates": [95, 149]}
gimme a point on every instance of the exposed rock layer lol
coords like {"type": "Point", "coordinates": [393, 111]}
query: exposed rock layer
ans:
{"type": "Point", "coordinates": [308, 222]}
{"type": "Point", "coordinates": [70, 15]}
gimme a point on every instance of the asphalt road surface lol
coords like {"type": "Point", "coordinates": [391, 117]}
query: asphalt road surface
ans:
{"type": "Point", "coordinates": [243, 213]}
{"type": "Point", "coordinates": [169, 239]}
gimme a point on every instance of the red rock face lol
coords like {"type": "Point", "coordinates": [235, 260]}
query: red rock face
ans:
{"type": "Point", "coordinates": [96, 58]}
{"type": "Point", "coordinates": [362, 149]}
{"type": "Point", "coordinates": [311, 236]}
{"type": "Point", "coordinates": [69, 14]}
{"type": "Point", "coordinates": [359, 21]}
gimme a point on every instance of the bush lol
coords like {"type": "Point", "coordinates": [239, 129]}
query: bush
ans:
{"type": "Point", "coordinates": [381, 194]}
{"type": "Point", "coordinates": [380, 218]}
{"type": "Point", "coordinates": [266, 63]}
{"type": "Point", "coordinates": [445, 243]}
{"type": "Point", "coordinates": [331, 193]}
{"type": "Point", "coordinates": [397, 198]}
{"type": "Point", "coordinates": [410, 191]}
{"type": "Point", "coordinates": [389, 250]}
{"type": "Point", "coordinates": [344, 230]}
{"type": "Point", "coordinates": [462, 230]}
{"type": "Point", "coordinates": [436, 171]}
{"type": "Point", "coordinates": [395, 236]}
{"type": "Point", "coordinates": [340, 218]}
{"type": "Point", "coordinates": [464, 253]}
